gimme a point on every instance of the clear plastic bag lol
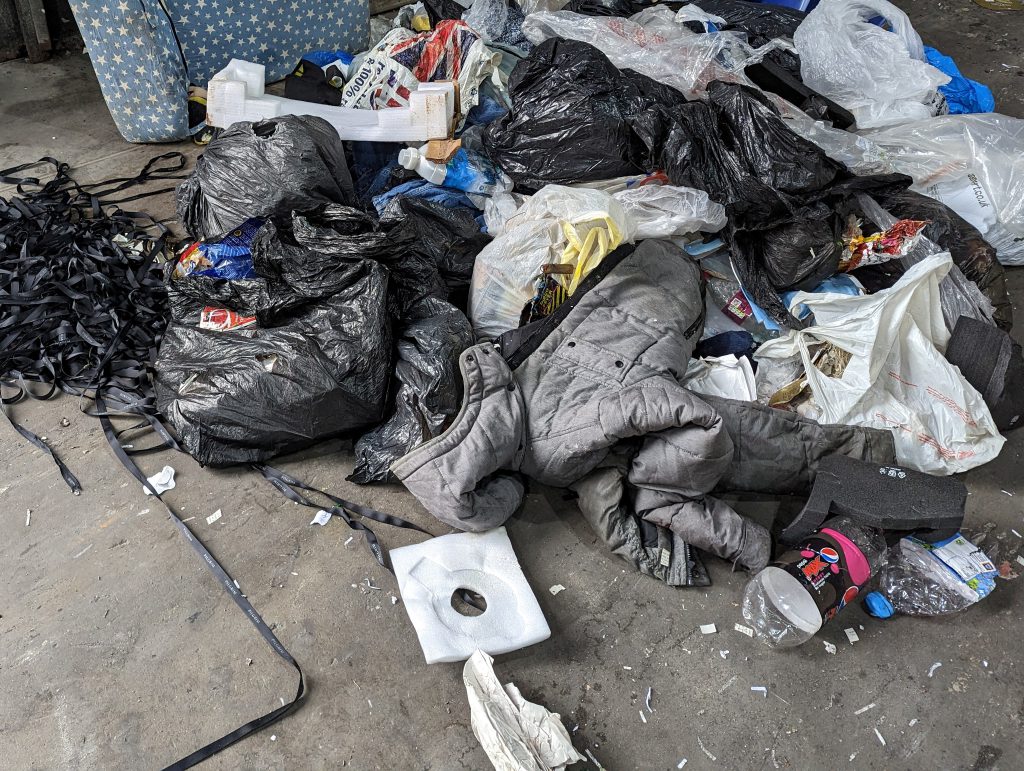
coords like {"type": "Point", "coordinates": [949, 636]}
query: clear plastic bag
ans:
{"type": "Point", "coordinates": [663, 211]}
{"type": "Point", "coordinates": [880, 76]}
{"type": "Point", "coordinates": [959, 295]}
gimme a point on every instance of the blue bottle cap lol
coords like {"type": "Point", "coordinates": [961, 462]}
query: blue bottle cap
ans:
{"type": "Point", "coordinates": [878, 605]}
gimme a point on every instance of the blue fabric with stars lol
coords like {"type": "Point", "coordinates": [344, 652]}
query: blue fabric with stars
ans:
{"type": "Point", "coordinates": [139, 66]}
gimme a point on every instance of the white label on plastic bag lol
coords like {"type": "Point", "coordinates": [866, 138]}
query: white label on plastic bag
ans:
{"type": "Point", "coordinates": [964, 558]}
{"type": "Point", "coordinates": [213, 517]}
{"type": "Point", "coordinates": [968, 198]}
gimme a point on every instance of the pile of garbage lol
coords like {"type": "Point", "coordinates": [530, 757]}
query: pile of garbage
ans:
{"type": "Point", "coordinates": [669, 252]}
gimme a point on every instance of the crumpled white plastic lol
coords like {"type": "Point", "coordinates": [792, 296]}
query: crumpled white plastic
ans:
{"type": "Point", "coordinates": [541, 229]}
{"type": "Point", "coordinates": [897, 378]}
{"type": "Point", "coordinates": [516, 734]}
{"type": "Point", "coordinates": [726, 376]}
{"type": "Point", "coordinates": [881, 77]}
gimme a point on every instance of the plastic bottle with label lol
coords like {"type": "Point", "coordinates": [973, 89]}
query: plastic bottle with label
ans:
{"type": "Point", "coordinates": [790, 600]}
{"type": "Point", "coordinates": [922, 579]}
{"type": "Point", "coordinates": [469, 172]}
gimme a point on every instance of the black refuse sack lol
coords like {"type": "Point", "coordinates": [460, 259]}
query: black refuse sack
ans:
{"type": "Point", "coordinates": [975, 257]}
{"type": "Point", "coordinates": [787, 201]}
{"type": "Point", "coordinates": [317, 364]}
{"type": "Point", "coordinates": [576, 118]}
{"type": "Point", "coordinates": [264, 169]}
{"type": "Point", "coordinates": [429, 252]}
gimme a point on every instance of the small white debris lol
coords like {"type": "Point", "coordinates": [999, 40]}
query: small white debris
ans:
{"type": "Point", "coordinates": [593, 759]}
{"type": "Point", "coordinates": [82, 552]}
{"type": "Point", "coordinates": [760, 689]}
{"type": "Point", "coordinates": [1007, 492]}
{"type": "Point", "coordinates": [628, 669]}
{"type": "Point", "coordinates": [214, 517]}
{"type": "Point", "coordinates": [723, 654]}
{"type": "Point", "coordinates": [322, 518]}
{"type": "Point", "coordinates": [851, 635]}
{"type": "Point", "coordinates": [912, 723]}
{"type": "Point", "coordinates": [1020, 559]}
{"type": "Point", "coordinates": [162, 481]}
{"type": "Point", "coordinates": [643, 717]}
{"type": "Point", "coordinates": [852, 756]}
{"type": "Point", "coordinates": [647, 700]}
{"type": "Point", "coordinates": [370, 584]}
{"type": "Point", "coordinates": [144, 511]}
{"type": "Point", "coordinates": [394, 600]}
{"type": "Point", "coordinates": [728, 682]}
{"type": "Point", "coordinates": [705, 750]}
{"type": "Point", "coordinates": [744, 630]}
{"type": "Point", "coordinates": [881, 739]}
{"type": "Point", "coordinates": [1016, 533]}
{"type": "Point", "coordinates": [862, 710]}
{"type": "Point", "coordinates": [829, 647]}
{"type": "Point", "coordinates": [681, 763]}
{"type": "Point", "coordinates": [350, 539]}
{"type": "Point", "coordinates": [984, 664]}
{"type": "Point", "coordinates": [708, 629]}
{"type": "Point", "coordinates": [282, 700]}
{"type": "Point", "coordinates": [370, 703]}
{"type": "Point", "coordinates": [933, 667]}
{"type": "Point", "coordinates": [556, 589]}
{"type": "Point", "coordinates": [294, 573]}
{"type": "Point", "coordinates": [28, 517]}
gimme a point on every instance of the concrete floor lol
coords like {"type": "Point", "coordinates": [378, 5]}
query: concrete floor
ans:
{"type": "Point", "coordinates": [120, 651]}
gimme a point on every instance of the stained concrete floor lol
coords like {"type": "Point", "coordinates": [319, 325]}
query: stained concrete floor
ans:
{"type": "Point", "coordinates": [120, 651]}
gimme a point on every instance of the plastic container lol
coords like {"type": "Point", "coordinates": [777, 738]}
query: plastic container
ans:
{"type": "Point", "coordinates": [790, 600]}
{"type": "Point", "coordinates": [922, 579]}
{"type": "Point", "coordinates": [466, 171]}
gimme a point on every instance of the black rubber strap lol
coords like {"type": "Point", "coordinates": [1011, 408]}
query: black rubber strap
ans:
{"type": "Point", "coordinates": [289, 486]}
{"type": "Point", "coordinates": [231, 588]}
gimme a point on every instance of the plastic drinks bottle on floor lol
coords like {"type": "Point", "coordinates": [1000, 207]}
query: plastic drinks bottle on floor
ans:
{"type": "Point", "coordinates": [788, 601]}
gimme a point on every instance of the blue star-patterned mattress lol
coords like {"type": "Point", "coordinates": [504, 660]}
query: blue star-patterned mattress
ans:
{"type": "Point", "coordinates": [139, 49]}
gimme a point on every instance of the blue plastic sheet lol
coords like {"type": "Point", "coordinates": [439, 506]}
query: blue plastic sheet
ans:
{"type": "Point", "coordinates": [962, 94]}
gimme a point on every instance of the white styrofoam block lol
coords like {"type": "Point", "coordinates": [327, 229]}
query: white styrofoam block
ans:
{"type": "Point", "coordinates": [429, 573]}
{"type": "Point", "coordinates": [236, 93]}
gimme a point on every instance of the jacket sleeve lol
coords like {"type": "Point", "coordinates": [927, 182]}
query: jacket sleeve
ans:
{"type": "Point", "coordinates": [457, 476]}
{"type": "Point", "coordinates": [684, 451]}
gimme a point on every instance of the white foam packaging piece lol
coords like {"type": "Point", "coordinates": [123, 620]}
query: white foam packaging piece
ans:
{"type": "Point", "coordinates": [429, 573]}
{"type": "Point", "coordinates": [237, 93]}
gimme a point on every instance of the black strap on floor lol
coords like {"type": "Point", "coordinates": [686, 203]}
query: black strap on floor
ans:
{"type": "Point", "coordinates": [289, 486]}
{"type": "Point", "coordinates": [231, 588]}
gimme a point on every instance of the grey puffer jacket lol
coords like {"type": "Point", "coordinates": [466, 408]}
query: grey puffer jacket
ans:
{"type": "Point", "coordinates": [603, 372]}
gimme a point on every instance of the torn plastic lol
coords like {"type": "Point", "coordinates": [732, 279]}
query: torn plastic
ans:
{"type": "Point", "coordinates": [236, 94]}
{"type": "Point", "coordinates": [881, 76]}
{"type": "Point", "coordinates": [516, 734]}
{"type": "Point", "coordinates": [959, 296]}
{"type": "Point", "coordinates": [403, 61]}
{"type": "Point", "coordinates": [430, 573]}
{"type": "Point", "coordinates": [896, 377]}
{"type": "Point", "coordinates": [264, 169]}
{"type": "Point", "coordinates": [935, 579]}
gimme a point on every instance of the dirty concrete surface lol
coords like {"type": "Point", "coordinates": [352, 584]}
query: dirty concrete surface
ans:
{"type": "Point", "coordinates": [119, 650]}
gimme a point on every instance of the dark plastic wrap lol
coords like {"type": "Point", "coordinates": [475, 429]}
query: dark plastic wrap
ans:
{"type": "Point", "coordinates": [317, 365]}
{"type": "Point", "coordinates": [576, 118]}
{"type": "Point", "coordinates": [969, 249]}
{"type": "Point", "coordinates": [264, 169]}
{"type": "Point", "coordinates": [785, 198]}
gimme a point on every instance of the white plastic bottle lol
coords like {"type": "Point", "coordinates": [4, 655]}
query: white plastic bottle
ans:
{"type": "Point", "coordinates": [788, 601]}
{"type": "Point", "coordinates": [466, 171]}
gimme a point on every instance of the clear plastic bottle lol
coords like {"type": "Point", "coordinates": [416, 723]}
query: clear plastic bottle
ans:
{"type": "Point", "coordinates": [922, 579]}
{"type": "Point", "coordinates": [788, 601]}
